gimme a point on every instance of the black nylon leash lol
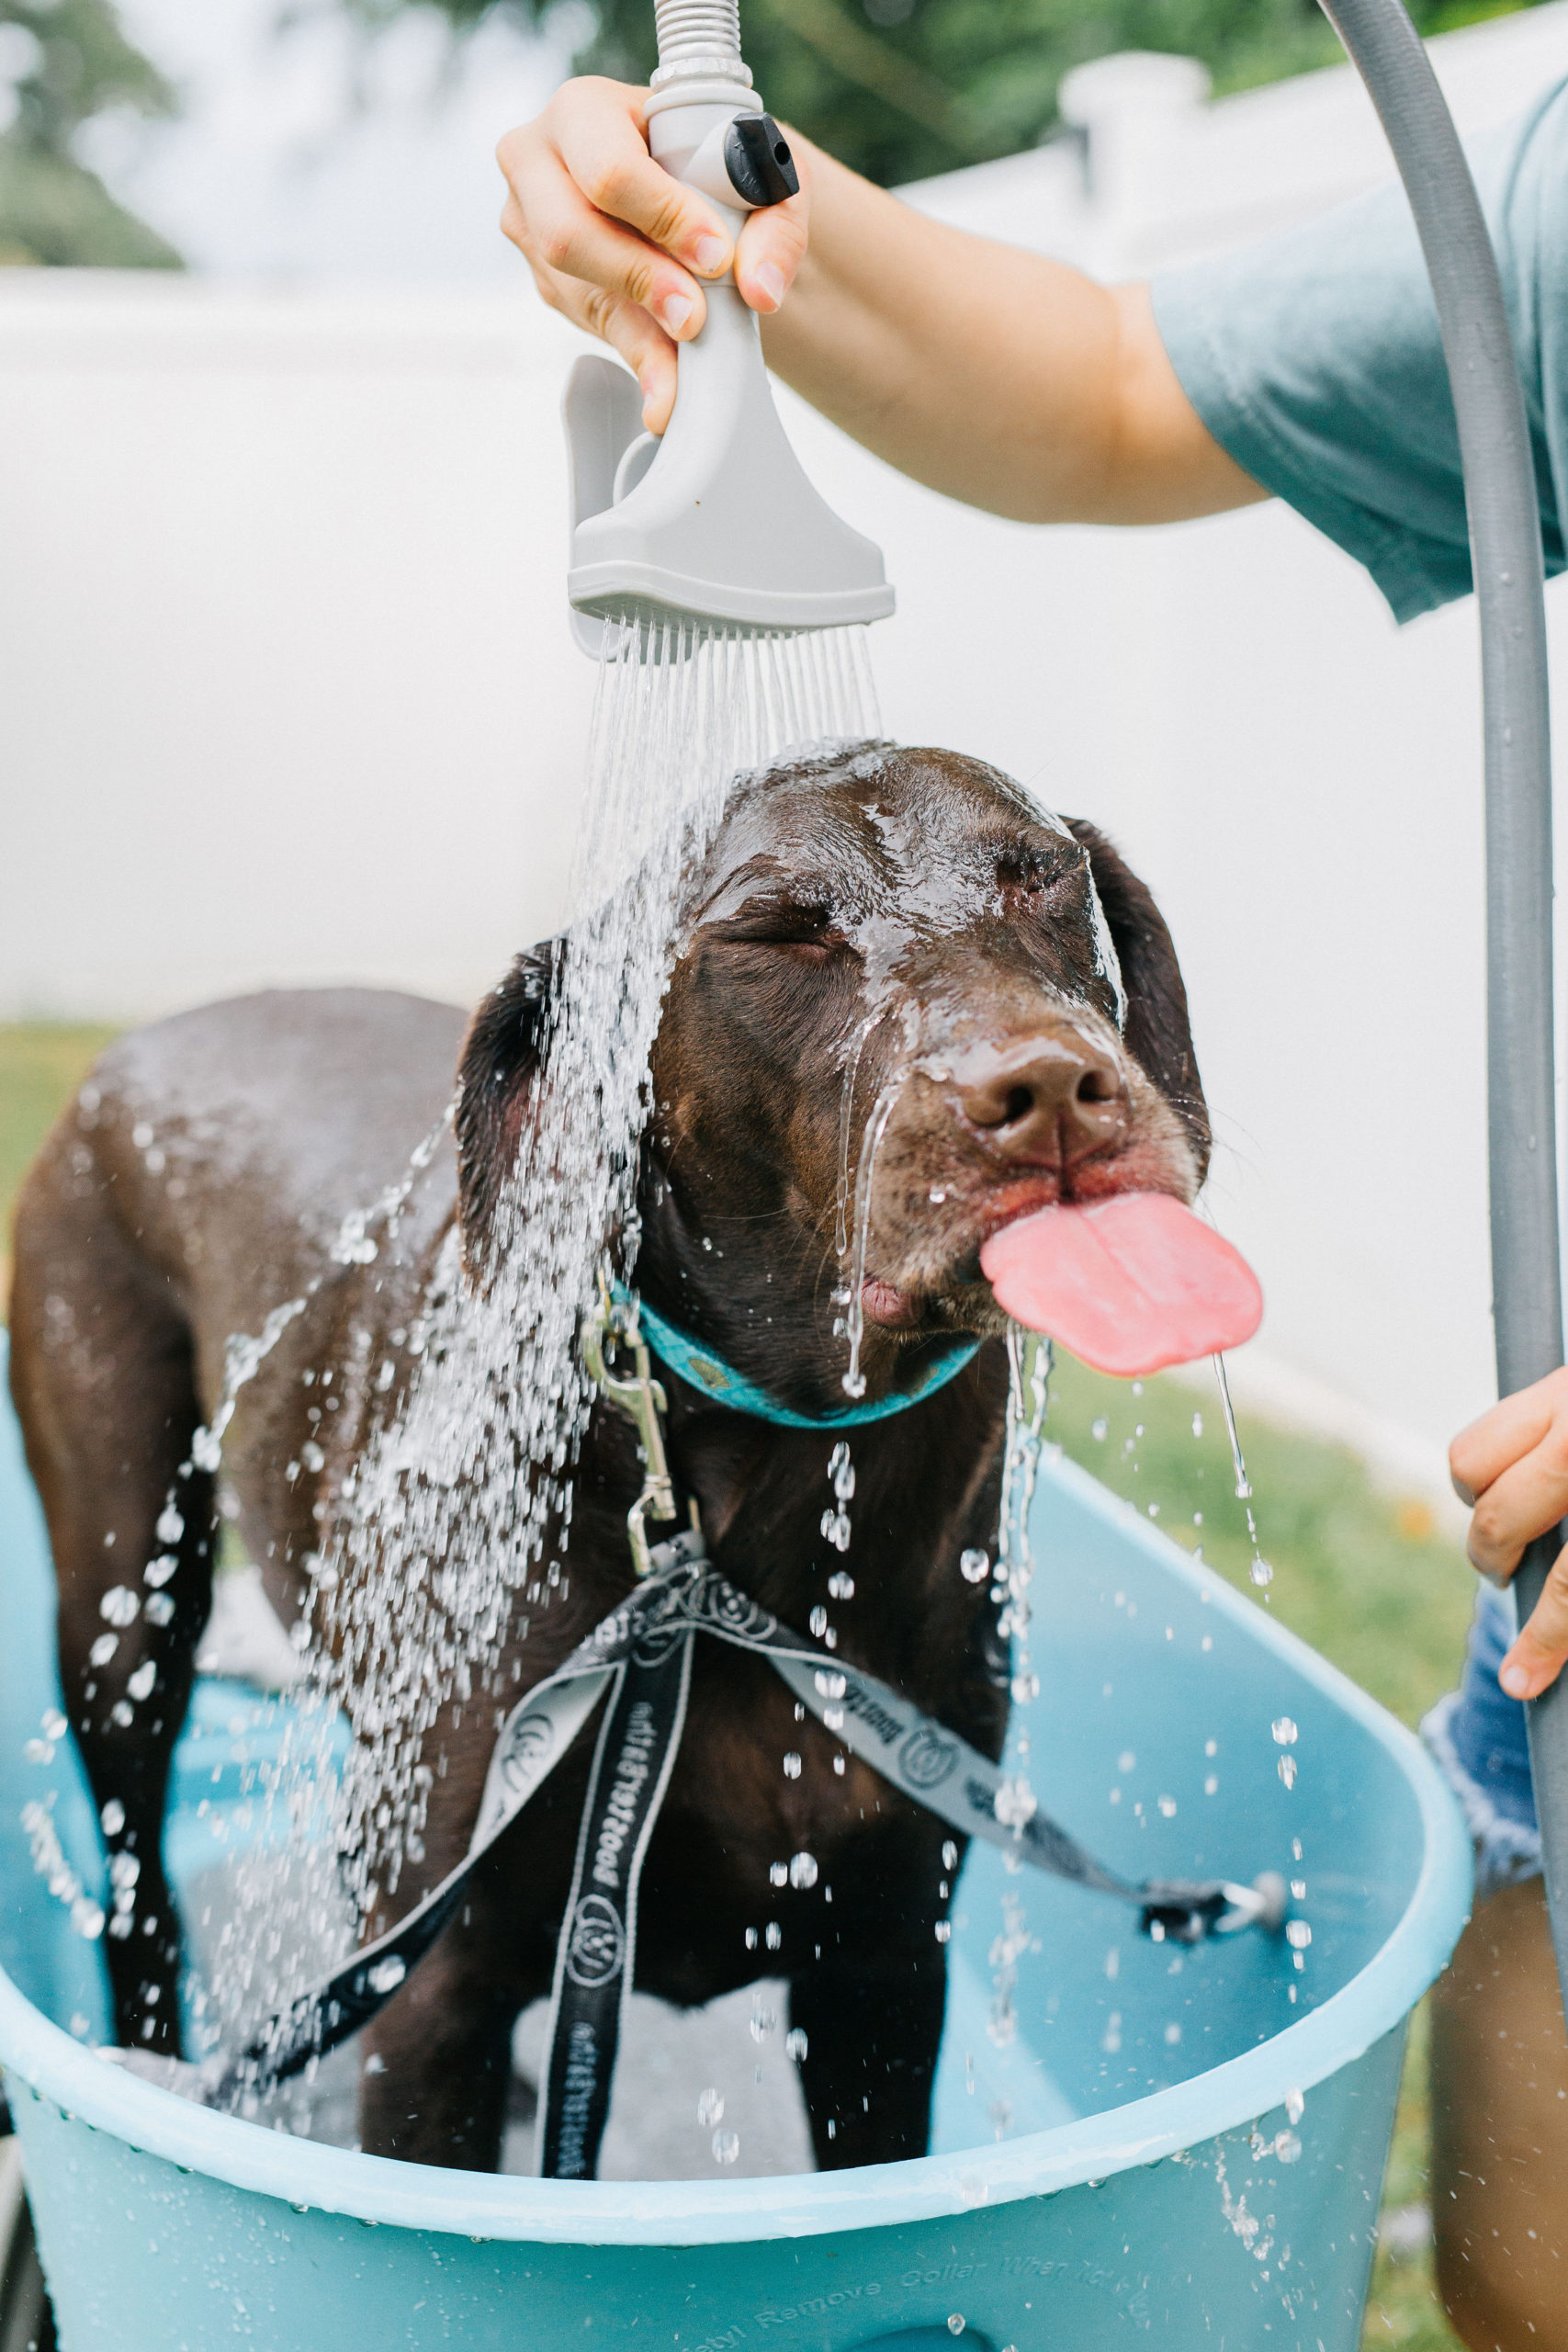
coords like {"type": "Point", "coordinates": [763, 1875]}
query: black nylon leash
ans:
{"type": "Point", "coordinates": [595, 1952]}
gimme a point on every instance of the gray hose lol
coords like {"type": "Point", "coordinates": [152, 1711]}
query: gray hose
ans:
{"type": "Point", "coordinates": [1504, 540]}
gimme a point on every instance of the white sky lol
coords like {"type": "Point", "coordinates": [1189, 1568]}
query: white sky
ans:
{"type": "Point", "coordinates": [277, 169]}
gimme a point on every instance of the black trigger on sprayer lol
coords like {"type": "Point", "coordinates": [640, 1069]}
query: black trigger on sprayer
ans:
{"type": "Point", "coordinates": [757, 157]}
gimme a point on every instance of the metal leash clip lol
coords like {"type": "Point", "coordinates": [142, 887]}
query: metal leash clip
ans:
{"type": "Point", "coordinates": [642, 1399]}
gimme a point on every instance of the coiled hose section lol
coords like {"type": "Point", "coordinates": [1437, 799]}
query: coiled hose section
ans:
{"type": "Point", "coordinates": [697, 32]}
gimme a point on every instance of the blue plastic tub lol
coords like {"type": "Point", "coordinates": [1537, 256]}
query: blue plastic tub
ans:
{"type": "Point", "coordinates": [1195, 2142]}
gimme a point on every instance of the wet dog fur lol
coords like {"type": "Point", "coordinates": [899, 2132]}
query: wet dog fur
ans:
{"type": "Point", "coordinates": [912, 898]}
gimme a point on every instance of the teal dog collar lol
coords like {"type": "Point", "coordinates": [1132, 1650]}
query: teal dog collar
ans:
{"type": "Point", "coordinates": [708, 1372]}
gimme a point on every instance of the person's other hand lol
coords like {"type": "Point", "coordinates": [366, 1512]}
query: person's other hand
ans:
{"type": "Point", "coordinates": [1512, 1466]}
{"type": "Point", "coordinates": [620, 246]}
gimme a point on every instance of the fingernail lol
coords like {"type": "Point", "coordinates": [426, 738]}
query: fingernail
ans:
{"type": "Point", "coordinates": [1514, 1682]}
{"type": "Point", "coordinates": [712, 254]}
{"type": "Point", "coordinates": [768, 279]}
{"type": "Point", "coordinates": [673, 312]}
{"type": "Point", "coordinates": [1462, 1492]}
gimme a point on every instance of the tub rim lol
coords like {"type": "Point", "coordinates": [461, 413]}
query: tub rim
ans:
{"type": "Point", "coordinates": [386, 2192]}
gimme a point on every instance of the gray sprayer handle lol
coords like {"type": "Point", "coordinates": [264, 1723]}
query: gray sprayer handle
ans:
{"type": "Point", "coordinates": [1504, 539]}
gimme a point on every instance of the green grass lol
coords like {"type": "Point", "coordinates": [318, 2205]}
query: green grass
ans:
{"type": "Point", "coordinates": [40, 1064]}
{"type": "Point", "coordinates": [1364, 1576]}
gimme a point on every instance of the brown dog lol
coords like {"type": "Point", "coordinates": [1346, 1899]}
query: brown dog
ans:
{"type": "Point", "coordinates": [202, 1176]}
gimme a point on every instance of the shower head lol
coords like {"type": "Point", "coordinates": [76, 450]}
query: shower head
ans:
{"type": "Point", "coordinates": [717, 521]}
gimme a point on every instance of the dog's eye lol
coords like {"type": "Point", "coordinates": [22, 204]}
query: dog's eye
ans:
{"type": "Point", "coordinates": [1026, 875]}
{"type": "Point", "coordinates": [786, 924]}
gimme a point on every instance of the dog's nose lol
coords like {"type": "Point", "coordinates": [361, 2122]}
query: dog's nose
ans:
{"type": "Point", "coordinates": [1049, 1100]}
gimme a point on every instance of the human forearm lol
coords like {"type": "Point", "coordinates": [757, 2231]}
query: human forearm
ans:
{"type": "Point", "coordinates": [999, 376]}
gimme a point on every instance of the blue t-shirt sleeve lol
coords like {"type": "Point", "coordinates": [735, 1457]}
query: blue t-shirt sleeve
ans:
{"type": "Point", "coordinates": [1314, 359]}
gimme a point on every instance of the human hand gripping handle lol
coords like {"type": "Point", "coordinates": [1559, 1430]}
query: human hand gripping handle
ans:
{"type": "Point", "coordinates": [621, 248]}
{"type": "Point", "coordinates": [1511, 1466]}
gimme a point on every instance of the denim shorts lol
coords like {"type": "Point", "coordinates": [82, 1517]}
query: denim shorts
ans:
{"type": "Point", "coordinates": [1477, 1736]}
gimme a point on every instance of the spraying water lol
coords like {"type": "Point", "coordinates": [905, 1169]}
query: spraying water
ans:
{"type": "Point", "coordinates": [455, 1525]}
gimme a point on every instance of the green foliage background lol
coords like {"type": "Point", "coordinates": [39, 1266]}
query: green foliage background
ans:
{"type": "Point", "coordinates": [904, 89]}
{"type": "Point", "coordinates": [53, 208]}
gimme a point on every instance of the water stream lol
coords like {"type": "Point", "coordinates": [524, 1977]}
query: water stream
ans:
{"type": "Point", "coordinates": [455, 1530]}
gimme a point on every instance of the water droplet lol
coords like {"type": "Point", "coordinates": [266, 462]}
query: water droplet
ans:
{"type": "Point", "coordinates": [1262, 1573]}
{"type": "Point", "coordinates": [139, 1685]}
{"type": "Point", "coordinates": [792, 1765]}
{"type": "Point", "coordinates": [803, 1871]}
{"type": "Point", "coordinates": [1172, 2035]}
{"type": "Point", "coordinates": [949, 1854]}
{"type": "Point", "coordinates": [817, 1621]}
{"type": "Point", "coordinates": [1211, 1785]}
{"type": "Point", "coordinates": [841, 1585]}
{"type": "Point", "coordinates": [1284, 1730]}
{"type": "Point", "coordinates": [1287, 1770]}
{"type": "Point", "coordinates": [112, 1817]}
{"type": "Point", "coordinates": [386, 1974]}
{"type": "Point", "coordinates": [1295, 2106]}
{"type": "Point", "coordinates": [796, 2045]}
{"type": "Point", "coordinates": [710, 2108]}
{"type": "Point", "coordinates": [772, 1935]}
{"type": "Point", "coordinates": [1287, 2147]}
{"type": "Point", "coordinates": [1099, 1429]}
{"type": "Point", "coordinates": [121, 1606]}
{"type": "Point", "coordinates": [975, 1566]}
{"type": "Point", "coordinates": [39, 1751]}
{"type": "Point", "coordinates": [725, 2147]}
{"type": "Point", "coordinates": [1126, 1762]}
{"type": "Point", "coordinates": [1298, 1935]}
{"type": "Point", "coordinates": [956, 2322]}
{"type": "Point", "coordinates": [1167, 1806]}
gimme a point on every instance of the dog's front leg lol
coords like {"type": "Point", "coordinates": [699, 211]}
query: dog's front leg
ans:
{"type": "Point", "coordinates": [437, 2061]}
{"type": "Point", "coordinates": [872, 2034]}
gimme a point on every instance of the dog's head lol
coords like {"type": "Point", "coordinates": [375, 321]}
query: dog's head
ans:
{"type": "Point", "coordinates": [897, 979]}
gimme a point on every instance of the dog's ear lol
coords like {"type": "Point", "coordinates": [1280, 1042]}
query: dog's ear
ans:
{"type": "Point", "coordinates": [1159, 1029]}
{"type": "Point", "coordinates": [496, 1074]}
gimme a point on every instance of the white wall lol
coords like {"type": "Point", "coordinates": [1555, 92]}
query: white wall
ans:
{"type": "Point", "coordinates": [286, 692]}
{"type": "Point", "coordinates": [285, 684]}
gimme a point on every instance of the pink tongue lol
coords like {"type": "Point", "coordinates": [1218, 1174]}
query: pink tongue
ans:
{"type": "Point", "coordinates": [1129, 1284]}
